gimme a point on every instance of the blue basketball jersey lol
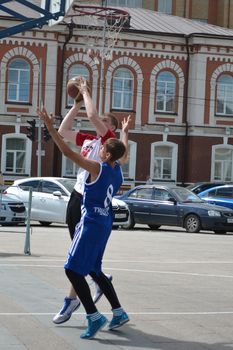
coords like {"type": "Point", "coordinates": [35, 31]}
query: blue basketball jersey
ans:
{"type": "Point", "coordinates": [92, 232]}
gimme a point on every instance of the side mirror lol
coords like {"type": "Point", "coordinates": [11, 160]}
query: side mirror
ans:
{"type": "Point", "coordinates": [57, 193]}
{"type": "Point", "coordinates": [172, 199]}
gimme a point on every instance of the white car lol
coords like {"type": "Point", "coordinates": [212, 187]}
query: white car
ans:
{"type": "Point", "coordinates": [50, 196]}
{"type": "Point", "coordinates": [12, 210]}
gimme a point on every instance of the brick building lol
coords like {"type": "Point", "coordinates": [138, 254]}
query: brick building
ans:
{"type": "Point", "coordinates": [173, 75]}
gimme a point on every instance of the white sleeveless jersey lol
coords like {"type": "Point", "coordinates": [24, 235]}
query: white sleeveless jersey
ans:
{"type": "Point", "coordinates": [90, 149]}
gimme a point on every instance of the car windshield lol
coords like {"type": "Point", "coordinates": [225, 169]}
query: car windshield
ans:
{"type": "Point", "coordinates": [67, 183]}
{"type": "Point", "coordinates": [186, 196]}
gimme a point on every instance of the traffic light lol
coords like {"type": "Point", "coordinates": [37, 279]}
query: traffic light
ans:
{"type": "Point", "coordinates": [46, 134]}
{"type": "Point", "coordinates": [31, 129]}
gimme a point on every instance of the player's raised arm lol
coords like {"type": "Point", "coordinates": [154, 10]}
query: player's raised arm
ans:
{"type": "Point", "coordinates": [65, 129]}
{"type": "Point", "coordinates": [91, 166]}
{"type": "Point", "coordinates": [91, 110]}
{"type": "Point", "coordinates": [124, 138]}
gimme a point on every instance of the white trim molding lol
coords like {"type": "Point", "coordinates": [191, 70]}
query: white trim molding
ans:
{"type": "Point", "coordinates": [132, 159]}
{"type": "Point", "coordinates": [28, 151]}
{"type": "Point", "coordinates": [79, 58]}
{"type": "Point", "coordinates": [224, 68]}
{"type": "Point", "coordinates": [20, 52]}
{"type": "Point", "coordinates": [126, 62]}
{"type": "Point", "coordinates": [173, 66]}
{"type": "Point", "coordinates": [174, 147]}
{"type": "Point", "coordinates": [214, 147]}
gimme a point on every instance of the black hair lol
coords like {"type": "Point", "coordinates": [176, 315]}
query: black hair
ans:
{"type": "Point", "coordinates": [116, 148]}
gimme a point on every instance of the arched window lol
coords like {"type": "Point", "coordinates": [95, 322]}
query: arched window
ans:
{"type": "Point", "coordinates": [224, 104]}
{"type": "Point", "coordinates": [222, 162]}
{"type": "Point", "coordinates": [165, 92]}
{"type": "Point", "coordinates": [164, 161]}
{"type": "Point", "coordinates": [75, 70]}
{"type": "Point", "coordinates": [18, 87]}
{"type": "Point", "coordinates": [122, 94]}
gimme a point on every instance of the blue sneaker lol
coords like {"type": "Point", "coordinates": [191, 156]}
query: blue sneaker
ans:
{"type": "Point", "coordinates": [70, 305]}
{"type": "Point", "coordinates": [94, 327]}
{"type": "Point", "coordinates": [98, 291]}
{"type": "Point", "coordinates": [118, 321]}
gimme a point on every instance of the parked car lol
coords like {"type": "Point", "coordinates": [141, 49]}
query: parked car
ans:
{"type": "Point", "coordinates": [12, 210]}
{"type": "Point", "coordinates": [220, 195]}
{"type": "Point", "coordinates": [50, 196]}
{"type": "Point", "coordinates": [199, 187]}
{"type": "Point", "coordinates": [157, 205]}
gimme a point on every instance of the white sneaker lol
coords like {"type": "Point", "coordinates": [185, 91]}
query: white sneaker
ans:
{"type": "Point", "coordinates": [70, 305]}
{"type": "Point", "coordinates": [98, 292]}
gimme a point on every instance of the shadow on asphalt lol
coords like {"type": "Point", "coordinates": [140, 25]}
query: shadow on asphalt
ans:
{"type": "Point", "coordinates": [136, 338]}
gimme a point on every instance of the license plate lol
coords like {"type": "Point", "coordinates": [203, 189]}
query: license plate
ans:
{"type": "Point", "coordinates": [230, 221]}
{"type": "Point", "coordinates": [120, 216]}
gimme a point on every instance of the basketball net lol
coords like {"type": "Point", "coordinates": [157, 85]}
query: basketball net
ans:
{"type": "Point", "coordinates": [101, 28]}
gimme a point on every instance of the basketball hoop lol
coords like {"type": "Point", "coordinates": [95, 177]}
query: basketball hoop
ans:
{"type": "Point", "coordinates": [102, 27]}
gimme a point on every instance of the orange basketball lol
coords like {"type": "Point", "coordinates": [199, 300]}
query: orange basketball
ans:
{"type": "Point", "coordinates": [73, 88]}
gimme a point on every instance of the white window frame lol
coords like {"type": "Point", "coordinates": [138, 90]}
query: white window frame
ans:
{"type": "Point", "coordinates": [18, 83]}
{"type": "Point", "coordinates": [65, 161]}
{"type": "Point", "coordinates": [166, 84]}
{"type": "Point", "coordinates": [132, 154]}
{"type": "Point", "coordinates": [174, 162]}
{"type": "Point", "coordinates": [214, 148]}
{"type": "Point", "coordinates": [28, 153]}
{"type": "Point", "coordinates": [123, 91]}
{"type": "Point", "coordinates": [228, 95]}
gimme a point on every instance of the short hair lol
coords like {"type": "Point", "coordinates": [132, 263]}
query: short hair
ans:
{"type": "Point", "coordinates": [115, 147]}
{"type": "Point", "coordinates": [113, 118]}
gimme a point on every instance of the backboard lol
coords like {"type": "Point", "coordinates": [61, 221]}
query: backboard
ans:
{"type": "Point", "coordinates": [56, 6]}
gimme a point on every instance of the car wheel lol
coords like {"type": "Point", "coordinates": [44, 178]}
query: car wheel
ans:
{"type": "Point", "coordinates": [220, 232]}
{"type": "Point", "coordinates": [154, 227]}
{"type": "Point", "coordinates": [45, 223]}
{"type": "Point", "coordinates": [131, 223]}
{"type": "Point", "coordinates": [192, 223]}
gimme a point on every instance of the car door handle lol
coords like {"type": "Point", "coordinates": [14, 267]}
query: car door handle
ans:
{"type": "Point", "coordinates": [211, 202]}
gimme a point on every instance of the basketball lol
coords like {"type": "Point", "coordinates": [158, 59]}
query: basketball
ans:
{"type": "Point", "coordinates": [73, 88]}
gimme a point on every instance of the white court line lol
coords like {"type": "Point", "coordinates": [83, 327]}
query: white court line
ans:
{"type": "Point", "coordinates": [128, 270]}
{"type": "Point", "coordinates": [129, 313]}
{"type": "Point", "coordinates": [28, 259]}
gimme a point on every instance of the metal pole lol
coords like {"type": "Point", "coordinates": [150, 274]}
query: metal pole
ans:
{"type": "Point", "coordinates": [101, 111]}
{"type": "Point", "coordinates": [39, 127]}
{"type": "Point", "coordinates": [27, 250]}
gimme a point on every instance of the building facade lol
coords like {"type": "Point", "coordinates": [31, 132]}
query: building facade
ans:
{"type": "Point", "coordinates": [217, 12]}
{"type": "Point", "coordinates": [176, 83]}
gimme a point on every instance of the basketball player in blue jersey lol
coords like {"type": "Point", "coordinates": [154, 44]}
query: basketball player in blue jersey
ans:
{"type": "Point", "coordinates": [92, 233]}
{"type": "Point", "coordinates": [105, 126]}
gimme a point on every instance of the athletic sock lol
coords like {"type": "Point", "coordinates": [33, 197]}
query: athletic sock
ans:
{"type": "Point", "coordinates": [95, 316]}
{"type": "Point", "coordinates": [118, 312]}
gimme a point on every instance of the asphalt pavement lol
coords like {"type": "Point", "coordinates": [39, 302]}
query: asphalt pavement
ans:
{"type": "Point", "coordinates": [176, 287]}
